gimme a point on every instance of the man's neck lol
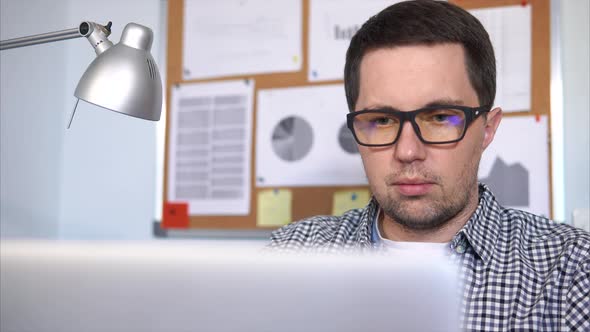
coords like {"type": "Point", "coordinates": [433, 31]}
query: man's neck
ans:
{"type": "Point", "coordinates": [392, 230]}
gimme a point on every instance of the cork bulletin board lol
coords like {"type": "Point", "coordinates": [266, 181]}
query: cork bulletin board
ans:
{"type": "Point", "coordinates": [317, 200]}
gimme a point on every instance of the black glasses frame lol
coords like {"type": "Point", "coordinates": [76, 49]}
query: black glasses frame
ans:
{"type": "Point", "coordinates": [471, 113]}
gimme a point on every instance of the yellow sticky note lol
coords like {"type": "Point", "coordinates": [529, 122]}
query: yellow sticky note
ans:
{"type": "Point", "coordinates": [348, 200]}
{"type": "Point", "coordinates": [274, 207]}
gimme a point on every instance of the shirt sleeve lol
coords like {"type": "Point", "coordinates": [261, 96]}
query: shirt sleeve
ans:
{"type": "Point", "coordinates": [309, 233]}
{"type": "Point", "coordinates": [577, 316]}
{"type": "Point", "coordinates": [295, 236]}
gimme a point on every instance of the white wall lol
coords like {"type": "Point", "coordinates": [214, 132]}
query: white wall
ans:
{"type": "Point", "coordinates": [95, 180]}
{"type": "Point", "coordinates": [575, 55]}
{"type": "Point", "coordinates": [108, 173]}
{"type": "Point", "coordinates": [32, 112]}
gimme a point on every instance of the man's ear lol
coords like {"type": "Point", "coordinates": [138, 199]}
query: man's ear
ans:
{"type": "Point", "coordinates": [492, 122]}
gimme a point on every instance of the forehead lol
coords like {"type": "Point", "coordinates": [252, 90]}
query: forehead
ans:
{"type": "Point", "coordinates": [409, 77]}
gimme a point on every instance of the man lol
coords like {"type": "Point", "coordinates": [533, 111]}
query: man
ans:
{"type": "Point", "coordinates": [420, 81]}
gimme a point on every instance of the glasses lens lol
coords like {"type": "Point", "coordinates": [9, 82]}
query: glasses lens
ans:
{"type": "Point", "coordinates": [441, 125]}
{"type": "Point", "coordinates": [376, 128]}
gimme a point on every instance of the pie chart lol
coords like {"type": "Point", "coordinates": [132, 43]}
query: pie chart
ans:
{"type": "Point", "coordinates": [292, 138]}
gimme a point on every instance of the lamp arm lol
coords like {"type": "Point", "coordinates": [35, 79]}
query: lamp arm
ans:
{"type": "Point", "coordinates": [39, 39]}
{"type": "Point", "coordinates": [97, 35]}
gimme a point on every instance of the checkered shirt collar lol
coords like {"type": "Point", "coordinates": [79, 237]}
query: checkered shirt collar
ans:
{"type": "Point", "coordinates": [483, 228]}
{"type": "Point", "coordinates": [363, 238]}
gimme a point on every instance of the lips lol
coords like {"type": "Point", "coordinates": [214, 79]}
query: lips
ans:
{"type": "Point", "coordinates": [413, 187]}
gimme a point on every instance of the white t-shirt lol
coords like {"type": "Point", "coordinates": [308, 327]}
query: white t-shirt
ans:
{"type": "Point", "coordinates": [413, 249]}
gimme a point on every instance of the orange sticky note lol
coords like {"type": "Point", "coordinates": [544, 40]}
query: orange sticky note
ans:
{"type": "Point", "coordinates": [175, 215]}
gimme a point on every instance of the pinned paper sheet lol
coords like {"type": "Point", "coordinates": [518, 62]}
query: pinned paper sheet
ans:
{"type": "Point", "coordinates": [235, 37]}
{"type": "Point", "coordinates": [332, 23]}
{"type": "Point", "coordinates": [209, 147]}
{"type": "Point", "coordinates": [274, 207]}
{"type": "Point", "coordinates": [175, 215]}
{"type": "Point", "coordinates": [509, 28]}
{"type": "Point", "coordinates": [348, 200]}
{"type": "Point", "coordinates": [516, 166]}
{"type": "Point", "coordinates": [302, 139]}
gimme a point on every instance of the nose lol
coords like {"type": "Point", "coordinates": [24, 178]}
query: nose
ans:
{"type": "Point", "coordinates": [408, 147]}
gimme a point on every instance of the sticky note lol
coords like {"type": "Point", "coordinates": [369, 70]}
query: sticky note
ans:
{"type": "Point", "coordinates": [175, 215]}
{"type": "Point", "coordinates": [345, 200]}
{"type": "Point", "coordinates": [274, 207]}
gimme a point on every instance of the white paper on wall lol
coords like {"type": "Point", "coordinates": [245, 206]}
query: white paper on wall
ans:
{"type": "Point", "coordinates": [332, 23]}
{"type": "Point", "coordinates": [510, 32]}
{"type": "Point", "coordinates": [236, 37]}
{"type": "Point", "coordinates": [210, 147]}
{"type": "Point", "coordinates": [516, 165]}
{"type": "Point", "coordinates": [302, 138]}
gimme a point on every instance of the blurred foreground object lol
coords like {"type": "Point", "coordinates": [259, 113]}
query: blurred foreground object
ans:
{"type": "Point", "coordinates": [184, 286]}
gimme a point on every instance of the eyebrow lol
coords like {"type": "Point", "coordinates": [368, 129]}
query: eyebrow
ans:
{"type": "Point", "coordinates": [445, 102]}
{"type": "Point", "coordinates": [436, 102]}
{"type": "Point", "coordinates": [380, 108]}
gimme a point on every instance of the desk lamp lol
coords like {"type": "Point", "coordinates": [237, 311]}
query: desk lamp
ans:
{"type": "Point", "coordinates": [123, 77]}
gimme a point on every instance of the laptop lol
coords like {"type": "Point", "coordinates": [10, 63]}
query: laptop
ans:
{"type": "Point", "coordinates": [217, 287]}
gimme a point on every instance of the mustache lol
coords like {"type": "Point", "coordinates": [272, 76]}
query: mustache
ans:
{"type": "Point", "coordinates": [413, 172]}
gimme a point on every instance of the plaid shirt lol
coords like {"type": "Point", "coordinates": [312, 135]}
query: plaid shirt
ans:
{"type": "Point", "coordinates": [520, 271]}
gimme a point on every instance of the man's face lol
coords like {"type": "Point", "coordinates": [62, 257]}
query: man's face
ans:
{"type": "Point", "coordinates": [422, 186]}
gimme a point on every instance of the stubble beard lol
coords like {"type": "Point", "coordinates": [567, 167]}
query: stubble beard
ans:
{"type": "Point", "coordinates": [433, 213]}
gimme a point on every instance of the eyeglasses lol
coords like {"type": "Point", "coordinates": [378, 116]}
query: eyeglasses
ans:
{"type": "Point", "coordinates": [433, 125]}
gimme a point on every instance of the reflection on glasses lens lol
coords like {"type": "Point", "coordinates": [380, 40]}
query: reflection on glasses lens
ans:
{"type": "Point", "coordinates": [376, 127]}
{"type": "Point", "coordinates": [441, 125]}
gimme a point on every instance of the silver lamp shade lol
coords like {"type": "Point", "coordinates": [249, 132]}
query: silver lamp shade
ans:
{"type": "Point", "coordinates": [124, 77]}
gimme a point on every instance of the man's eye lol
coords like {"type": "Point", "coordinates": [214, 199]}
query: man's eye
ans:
{"type": "Point", "coordinates": [383, 121]}
{"type": "Point", "coordinates": [441, 117]}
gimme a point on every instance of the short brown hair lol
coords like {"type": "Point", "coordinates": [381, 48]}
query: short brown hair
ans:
{"type": "Point", "coordinates": [424, 22]}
